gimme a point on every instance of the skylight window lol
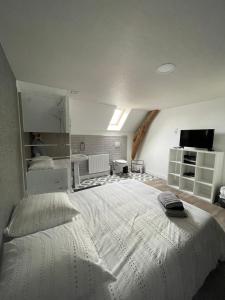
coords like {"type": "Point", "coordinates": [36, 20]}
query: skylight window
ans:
{"type": "Point", "coordinates": [118, 119]}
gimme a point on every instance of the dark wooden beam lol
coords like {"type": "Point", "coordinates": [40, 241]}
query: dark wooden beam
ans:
{"type": "Point", "coordinates": [141, 132]}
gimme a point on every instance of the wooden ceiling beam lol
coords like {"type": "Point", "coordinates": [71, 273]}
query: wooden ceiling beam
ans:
{"type": "Point", "coordinates": [142, 130]}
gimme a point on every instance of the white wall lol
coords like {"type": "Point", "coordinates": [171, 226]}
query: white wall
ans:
{"type": "Point", "coordinates": [165, 132]}
{"type": "Point", "coordinates": [11, 183]}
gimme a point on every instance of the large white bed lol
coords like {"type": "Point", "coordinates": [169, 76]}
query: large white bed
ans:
{"type": "Point", "coordinates": [152, 256]}
{"type": "Point", "coordinates": [120, 246]}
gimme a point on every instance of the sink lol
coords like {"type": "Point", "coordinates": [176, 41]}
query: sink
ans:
{"type": "Point", "coordinates": [78, 157]}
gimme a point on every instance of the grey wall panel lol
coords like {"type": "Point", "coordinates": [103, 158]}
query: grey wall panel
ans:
{"type": "Point", "coordinates": [11, 176]}
{"type": "Point", "coordinates": [99, 144]}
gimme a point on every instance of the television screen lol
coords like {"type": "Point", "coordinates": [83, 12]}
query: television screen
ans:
{"type": "Point", "coordinates": [199, 138]}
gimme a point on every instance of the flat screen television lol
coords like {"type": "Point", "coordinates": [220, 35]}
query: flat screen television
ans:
{"type": "Point", "coordinates": [198, 138]}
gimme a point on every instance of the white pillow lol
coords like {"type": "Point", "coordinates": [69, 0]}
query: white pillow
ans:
{"type": "Point", "coordinates": [40, 212]}
{"type": "Point", "coordinates": [59, 263]}
{"type": "Point", "coordinates": [42, 164]}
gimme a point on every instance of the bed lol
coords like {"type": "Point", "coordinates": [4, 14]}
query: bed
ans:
{"type": "Point", "coordinates": [143, 254]}
{"type": "Point", "coordinates": [152, 256]}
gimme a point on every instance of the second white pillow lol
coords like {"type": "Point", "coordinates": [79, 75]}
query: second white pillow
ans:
{"type": "Point", "coordinates": [40, 212]}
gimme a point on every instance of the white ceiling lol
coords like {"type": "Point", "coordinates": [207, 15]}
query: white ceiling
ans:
{"type": "Point", "coordinates": [109, 50]}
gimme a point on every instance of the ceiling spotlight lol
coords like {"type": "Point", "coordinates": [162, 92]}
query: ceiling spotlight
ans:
{"type": "Point", "coordinates": [166, 68]}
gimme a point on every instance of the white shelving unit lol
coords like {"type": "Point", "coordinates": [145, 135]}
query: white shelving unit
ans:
{"type": "Point", "coordinates": [54, 126]}
{"type": "Point", "coordinates": [200, 176]}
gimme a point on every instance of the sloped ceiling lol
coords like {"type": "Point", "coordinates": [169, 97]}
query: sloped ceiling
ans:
{"type": "Point", "coordinates": [109, 50]}
{"type": "Point", "coordinates": [86, 117]}
{"type": "Point", "coordinates": [134, 120]}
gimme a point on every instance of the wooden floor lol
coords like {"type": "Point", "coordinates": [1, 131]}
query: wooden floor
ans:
{"type": "Point", "coordinates": [217, 212]}
{"type": "Point", "coordinates": [214, 285]}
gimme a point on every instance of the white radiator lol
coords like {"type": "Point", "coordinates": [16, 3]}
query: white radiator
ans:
{"type": "Point", "coordinates": [98, 163]}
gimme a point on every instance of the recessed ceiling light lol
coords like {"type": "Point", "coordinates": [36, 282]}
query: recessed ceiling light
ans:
{"type": "Point", "coordinates": [166, 68]}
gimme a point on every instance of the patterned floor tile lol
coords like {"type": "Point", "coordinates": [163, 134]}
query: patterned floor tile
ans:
{"type": "Point", "coordinates": [114, 178]}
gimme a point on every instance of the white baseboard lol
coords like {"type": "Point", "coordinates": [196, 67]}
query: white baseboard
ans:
{"type": "Point", "coordinates": [157, 175]}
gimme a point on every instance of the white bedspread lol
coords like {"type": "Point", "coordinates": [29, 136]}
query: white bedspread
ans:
{"type": "Point", "coordinates": [152, 256]}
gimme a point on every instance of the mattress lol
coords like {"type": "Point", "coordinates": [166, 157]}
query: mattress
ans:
{"type": "Point", "coordinates": [152, 256]}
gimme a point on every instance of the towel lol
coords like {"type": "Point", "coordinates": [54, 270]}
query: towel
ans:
{"type": "Point", "coordinates": [170, 201]}
{"type": "Point", "coordinates": [172, 206]}
{"type": "Point", "coordinates": [175, 213]}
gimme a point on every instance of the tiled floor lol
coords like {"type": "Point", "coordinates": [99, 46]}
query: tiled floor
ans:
{"type": "Point", "coordinates": [115, 178]}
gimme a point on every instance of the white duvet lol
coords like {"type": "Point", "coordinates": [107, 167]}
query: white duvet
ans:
{"type": "Point", "coordinates": [151, 255]}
